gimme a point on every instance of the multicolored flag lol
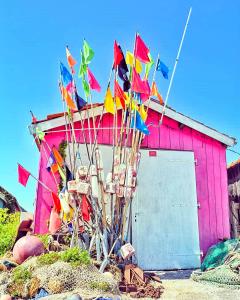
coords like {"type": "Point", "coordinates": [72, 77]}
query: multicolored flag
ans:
{"type": "Point", "coordinates": [94, 85]}
{"type": "Point", "coordinates": [139, 124]}
{"type": "Point", "coordinates": [71, 61]}
{"type": "Point", "coordinates": [23, 175]}
{"type": "Point", "coordinates": [121, 66]}
{"type": "Point", "coordinates": [130, 61]}
{"type": "Point", "coordinates": [143, 112]}
{"type": "Point", "coordinates": [52, 163]}
{"type": "Point", "coordinates": [163, 68]}
{"type": "Point", "coordinates": [154, 92]}
{"type": "Point", "coordinates": [141, 50]}
{"type": "Point", "coordinates": [108, 102]}
{"type": "Point", "coordinates": [88, 52]}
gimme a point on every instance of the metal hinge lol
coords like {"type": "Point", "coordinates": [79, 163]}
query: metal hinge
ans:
{"type": "Point", "coordinates": [198, 205]}
{"type": "Point", "coordinates": [196, 162]}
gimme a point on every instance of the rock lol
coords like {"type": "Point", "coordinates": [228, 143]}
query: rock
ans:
{"type": "Point", "coordinates": [27, 246]}
{"type": "Point", "coordinates": [74, 297]}
{"type": "Point", "coordinates": [6, 297]}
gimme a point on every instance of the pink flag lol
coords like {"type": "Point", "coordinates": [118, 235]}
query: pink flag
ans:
{"type": "Point", "coordinates": [23, 175]}
{"type": "Point", "coordinates": [94, 85]}
{"type": "Point", "coordinates": [139, 85]}
{"type": "Point", "coordinates": [141, 50]}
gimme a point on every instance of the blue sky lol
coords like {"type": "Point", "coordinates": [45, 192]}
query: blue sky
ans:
{"type": "Point", "coordinates": [33, 38]}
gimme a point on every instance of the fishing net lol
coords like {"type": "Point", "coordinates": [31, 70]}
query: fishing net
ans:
{"type": "Point", "coordinates": [217, 254]}
{"type": "Point", "coordinates": [227, 274]}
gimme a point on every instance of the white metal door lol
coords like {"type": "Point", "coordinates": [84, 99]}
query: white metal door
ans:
{"type": "Point", "coordinates": [165, 218]}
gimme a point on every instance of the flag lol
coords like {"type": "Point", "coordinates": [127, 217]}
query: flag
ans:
{"type": "Point", "coordinates": [139, 124]}
{"type": "Point", "coordinates": [141, 50]}
{"type": "Point", "coordinates": [86, 87]}
{"type": "Point", "coordinates": [120, 96]}
{"type": "Point", "coordinates": [92, 81]}
{"type": "Point", "coordinates": [130, 61]}
{"type": "Point", "coordinates": [139, 85]}
{"type": "Point", "coordinates": [163, 68]}
{"type": "Point", "coordinates": [118, 55]}
{"type": "Point", "coordinates": [120, 64]}
{"type": "Point", "coordinates": [154, 92]}
{"type": "Point", "coordinates": [68, 99]}
{"type": "Point", "coordinates": [56, 202]}
{"type": "Point", "coordinates": [86, 209]}
{"type": "Point", "coordinates": [88, 52]}
{"type": "Point", "coordinates": [108, 102]}
{"type": "Point", "coordinates": [52, 164]}
{"type": "Point", "coordinates": [79, 101]}
{"type": "Point", "coordinates": [71, 61]}
{"type": "Point", "coordinates": [143, 112]}
{"type": "Point", "coordinates": [66, 75]}
{"type": "Point", "coordinates": [83, 67]}
{"type": "Point", "coordinates": [23, 175]}
{"type": "Point", "coordinates": [69, 175]}
{"type": "Point", "coordinates": [148, 66]}
{"type": "Point", "coordinates": [60, 170]}
{"type": "Point", "coordinates": [40, 134]}
{"type": "Point", "coordinates": [57, 156]}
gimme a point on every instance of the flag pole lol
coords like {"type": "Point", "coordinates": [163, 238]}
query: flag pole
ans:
{"type": "Point", "coordinates": [175, 66]}
{"type": "Point", "coordinates": [43, 184]}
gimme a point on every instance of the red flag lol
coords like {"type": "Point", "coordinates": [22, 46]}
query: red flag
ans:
{"type": "Point", "coordinates": [119, 93]}
{"type": "Point", "coordinates": [23, 175]}
{"type": "Point", "coordinates": [94, 85]}
{"type": "Point", "coordinates": [118, 56]}
{"type": "Point", "coordinates": [56, 201]}
{"type": "Point", "coordinates": [141, 50]}
{"type": "Point", "coordinates": [139, 85]}
{"type": "Point", "coordinates": [86, 209]}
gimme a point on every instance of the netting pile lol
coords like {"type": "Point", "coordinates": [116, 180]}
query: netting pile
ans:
{"type": "Point", "coordinates": [226, 274]}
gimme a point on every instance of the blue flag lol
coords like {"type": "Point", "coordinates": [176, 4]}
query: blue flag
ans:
{"type": "Point", "coordinates": [163, 68]}
{"type": "Point", "coordinates": [139, 124]}
{"type": "Point", "coordinates": [66, 75]}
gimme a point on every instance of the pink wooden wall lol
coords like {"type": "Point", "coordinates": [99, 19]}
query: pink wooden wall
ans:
{"type": "Point", "coordinates": [211, 173]}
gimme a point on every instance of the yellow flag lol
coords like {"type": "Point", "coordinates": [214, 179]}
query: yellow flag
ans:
{"type": "Point", "coordinates": [143, 112]}
{"type": "Point", "coordinates": [134, 106]}
{"type": "Point", "coordinates": [108, 102]}
{"type": "Point", "coordinates": [130, 59]}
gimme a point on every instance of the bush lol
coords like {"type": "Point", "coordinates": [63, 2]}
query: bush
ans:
{"type": "Point", "coordinates": [102, 286]}
{"type": "Point", "coordinates": [48, 258]}
{"type": "Point", "coordinates": [8, 229]}
{"type": "Point", "coordinates": [44, 238]}
{"type": "Point", "coordinates": [76, 256]}
{"type": "Point", "coordinates": [21, 274]}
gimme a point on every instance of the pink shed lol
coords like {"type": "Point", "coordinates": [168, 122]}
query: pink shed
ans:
{"type": "Point", "coordinates": [177, 132]}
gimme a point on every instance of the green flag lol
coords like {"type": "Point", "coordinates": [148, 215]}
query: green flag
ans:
{"type": "Point", "coordinates": [87, 52]}
{"type": "Point", "coordinates": [148, 66]}
{"type": "Point", "coordinates": [86, 87]}
{"type": "Point", "coordinates": [40, 134]}
{"type": "Point", "coordinates": [83, 67]}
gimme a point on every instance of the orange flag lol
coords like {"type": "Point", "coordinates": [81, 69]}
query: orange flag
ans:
{"type": "Point", "coordinates": [71, 61]}
{"type": "Point", "coordinates": [57, 156]}
{"type": "Point", "coordinates": [68, 99]}
{"type": "Point", "coordinates": [120, 96]}
{"type": "Point", "coordinates": [154, 92]}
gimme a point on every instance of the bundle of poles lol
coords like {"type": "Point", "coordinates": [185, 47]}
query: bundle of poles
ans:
{"type": "Point", "coordinates": [107, 224]}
